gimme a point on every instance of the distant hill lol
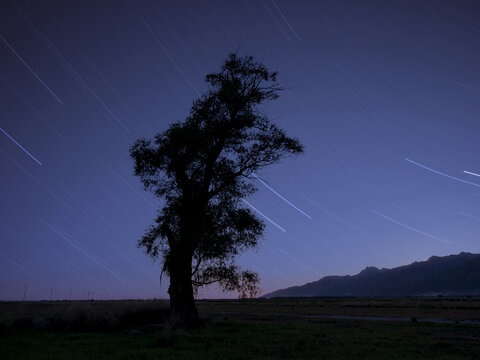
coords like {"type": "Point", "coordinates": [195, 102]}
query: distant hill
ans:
{"type": "Point", "coordinates": [447, 275]}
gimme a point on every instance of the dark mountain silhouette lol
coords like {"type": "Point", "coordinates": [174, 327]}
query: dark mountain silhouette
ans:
{"type": "Point", "coordinates": [447, 275]}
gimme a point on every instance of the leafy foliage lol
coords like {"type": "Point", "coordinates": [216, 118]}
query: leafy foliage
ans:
{"type": "Point", "coordinates": [200, 167]}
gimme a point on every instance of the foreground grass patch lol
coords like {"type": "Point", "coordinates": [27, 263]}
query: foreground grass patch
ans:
{"type": "Point", "coordinates": [254, 339]}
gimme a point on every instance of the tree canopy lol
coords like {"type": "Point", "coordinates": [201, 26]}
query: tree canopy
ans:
{"type": "Point", "coordinates": [201, 168]}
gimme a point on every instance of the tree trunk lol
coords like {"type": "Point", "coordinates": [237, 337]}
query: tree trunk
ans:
{"type": "Point", "coordinates": [183, 312]}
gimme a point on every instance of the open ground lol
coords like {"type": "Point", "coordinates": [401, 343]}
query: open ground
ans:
{"type": "Point", "coordinates": [323, 328]}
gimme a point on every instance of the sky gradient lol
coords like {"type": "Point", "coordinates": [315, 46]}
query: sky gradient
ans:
{"type": "Point", "coordinates": [385, 97]}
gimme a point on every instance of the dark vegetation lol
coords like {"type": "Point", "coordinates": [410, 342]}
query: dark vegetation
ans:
{"type": "Point", "coordinates": [453, 275]}
{"type": "Point", "coordinates": [200, 168]}
{"type": "Point", "coordinates": [241, 329]}
{"type": "Point", "coordinates": [82, 315]}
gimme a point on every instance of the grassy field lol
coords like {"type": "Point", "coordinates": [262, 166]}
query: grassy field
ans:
{"type": "Point", "coordinates": [247, 329]}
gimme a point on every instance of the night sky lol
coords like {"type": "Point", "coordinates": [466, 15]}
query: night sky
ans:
{"type": "Point", "coordinates": [385, 96]}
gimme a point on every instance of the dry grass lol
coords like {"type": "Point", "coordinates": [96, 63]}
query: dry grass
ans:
{"type": "Point", "coordinates": [82, 315]}
{"type": "Point", "coordinates": [465, 308]}
{"type": "Point", "coordinates": [123, 330]}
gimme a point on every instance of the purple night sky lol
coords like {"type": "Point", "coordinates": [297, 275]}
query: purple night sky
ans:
{"type": "Point", "coordinates": [385, 96]}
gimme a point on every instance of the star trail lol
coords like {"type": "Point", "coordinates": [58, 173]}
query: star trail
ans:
{"type": "Point", "coordinates": [21, 147]}
{"type": "Point", "coordinates": [384, 96]}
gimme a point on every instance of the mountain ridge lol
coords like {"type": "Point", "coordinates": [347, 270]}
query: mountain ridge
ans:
{"type": "Point", "coordinates": [439, 275]}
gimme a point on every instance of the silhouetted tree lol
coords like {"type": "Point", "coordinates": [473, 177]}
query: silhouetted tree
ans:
{"type": "Point", "coordinates": [200, 167]}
